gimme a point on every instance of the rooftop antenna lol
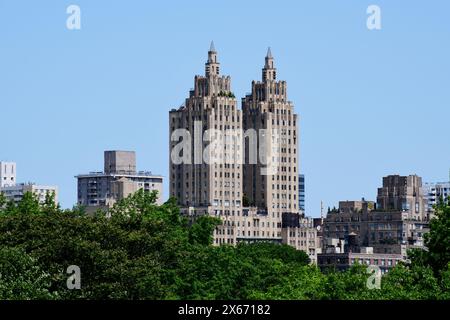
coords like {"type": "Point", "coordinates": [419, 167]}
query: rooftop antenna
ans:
{"type": "Point", "coordinates": [321, 210]}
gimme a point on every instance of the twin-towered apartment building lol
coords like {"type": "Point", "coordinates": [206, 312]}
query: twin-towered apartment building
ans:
{"type": "Point", "coordinates": [259, 186]}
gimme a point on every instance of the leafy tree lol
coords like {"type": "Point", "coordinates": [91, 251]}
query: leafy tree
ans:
{"type": "Point", "coordinates": [50, 206]}
{"type": "Point", "coordinates": [2, 201]}
{"type": "Point", "coordinates": [409, 283]}
{"type": "Point", "coordinates": [438, 239]}
{"type": "Point", "coordinates": [445, 283]}
{"type": "Point", "coordinates": [29, 204]}
{"type": "Point", "coordinates": [21, 278]}
{"type": "Point", "coordinates": [10, 208]}
{"type": "Point", "coordinates": [351, 284]}
{"type": "Point", "coordinates": [201, 231]}
{"type": "Point", "coordinates": [282, 252]}
{"type": "Point", "coordinates": [295, 283]}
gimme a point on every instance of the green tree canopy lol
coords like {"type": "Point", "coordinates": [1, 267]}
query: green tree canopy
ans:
{"type": "Point", "coordinates": [141, 250]}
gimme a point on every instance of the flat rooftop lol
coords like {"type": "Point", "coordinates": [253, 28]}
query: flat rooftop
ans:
{"type": "Point", "coordinates": [143, 174]}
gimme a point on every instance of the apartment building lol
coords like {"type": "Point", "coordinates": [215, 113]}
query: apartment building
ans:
{"type": "Point", "coordinates": [252, 181]}
{"type": "Point", "coordinates": [396, 223]}
{"type": "Point", "coordinates": [208, 181]}
{"type": "Point", "coordinates": [272, 183]}
{"type": "Point", "coordinates": [434, 192]}
{"type": "Point", "coordinates": [403, 193]}
{"type": "Point", "coordinates": [337, 257]}
{"type": "Point", "coordinates": [15, 192]}
{"type": "Point", "coordinates": [100, 190]}
{"type": "Point", "coordinates": [303, 234]}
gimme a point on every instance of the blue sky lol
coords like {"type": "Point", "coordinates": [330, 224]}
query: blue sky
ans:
{"type": "Point", "coordinates": [371, 103]}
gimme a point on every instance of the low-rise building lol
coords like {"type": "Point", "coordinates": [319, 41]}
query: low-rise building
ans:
{"type": "Point", "coordinates": [340, 256]}
{"type": "Point", "coordinates": [301, 233]}
{"type": "Point", "coordinates": [250, 224]}
{"type": "Point", "coordinates": [343, 261]}
{"type": "Point", "coordinates": [395, 224]}
{"type": "Point", "coordinates": [256, 225]}
{"type": "Point", "coordinates": [16, 192]}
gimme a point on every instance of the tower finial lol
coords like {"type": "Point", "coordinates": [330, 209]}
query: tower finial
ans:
{"type": "Point", "coordinates": [269, 53]}
{"type": "Point", "coordinates": [211, 47]}
{"type": "Point", "coordinates": [269, 71]}
{"type": "Point", "coordinates": [212, 65]}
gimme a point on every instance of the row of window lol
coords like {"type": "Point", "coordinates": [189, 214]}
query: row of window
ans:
{"type": "Point", "coordinates": [302, 243]}
{"type": "Point", "coordinates": [227, 203]}
{"type": "Point", "coordinates": [284, 177]}
{"type": "Point", "coordinates": [255, 224]}
{"type": "Point", "coordinates": [283, 196]}
{"type": "Point", "coordinates": [376, 262]}
{"type": "Point", "coordinates": [301, 234]}
{"type": "Point", "coordinates": [283, 206]}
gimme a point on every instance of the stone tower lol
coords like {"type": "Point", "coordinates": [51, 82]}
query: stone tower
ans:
{"type": "Point", "coordinates": [209, 179]}
{"type": "Point", "coordinates": [267, 108]}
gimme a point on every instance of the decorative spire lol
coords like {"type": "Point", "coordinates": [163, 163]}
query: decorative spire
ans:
{"type": "Point", "coordinates": [269, 53]}
{"type": "Point", "coordinates": [211, 47]}
{"type": "Point", "coordinates": [212, 66]}
{"type": "Point", "coordinates": [269, 71]}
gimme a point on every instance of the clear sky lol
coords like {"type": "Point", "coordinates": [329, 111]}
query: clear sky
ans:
{"type": "Point", "coordinates": [371, 103]}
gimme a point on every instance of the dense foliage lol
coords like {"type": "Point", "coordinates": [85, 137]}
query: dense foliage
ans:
{"type": "Point", "coordinates": [146, 251]}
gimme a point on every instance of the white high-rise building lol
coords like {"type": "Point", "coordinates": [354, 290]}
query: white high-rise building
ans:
{"type": "Point", "coordinates": [7, 174]}
{"type": "Point", "coordinates": [434, 192]}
